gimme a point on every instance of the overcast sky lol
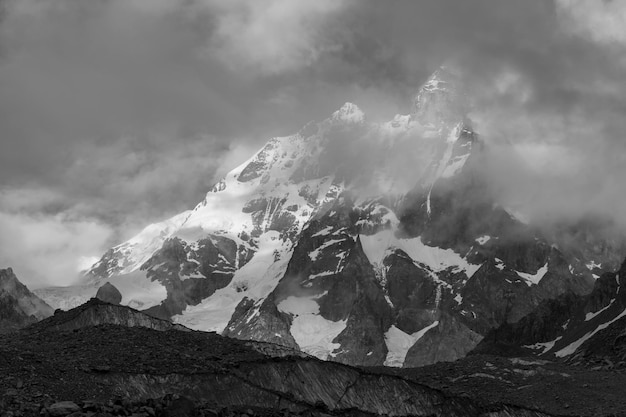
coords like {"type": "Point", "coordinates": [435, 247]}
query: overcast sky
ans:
{"type": "Point", "coordinates": [116, 113]}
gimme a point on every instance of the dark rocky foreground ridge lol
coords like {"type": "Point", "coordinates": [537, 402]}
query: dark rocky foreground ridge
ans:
{"type": "Point", "coordinates": [112, 369]}
{"type": "Point", "coordinates": [101, 363]}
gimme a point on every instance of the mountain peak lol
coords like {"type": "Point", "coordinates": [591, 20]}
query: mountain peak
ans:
{"type": "Point", "coordinates": [350, 113]}
{"type": "Point", "coordinates": [440, 100]}
{"type": "Point", "coordinates": [18, 306]}
{"type": "Point", "coordinates": [9, 282]}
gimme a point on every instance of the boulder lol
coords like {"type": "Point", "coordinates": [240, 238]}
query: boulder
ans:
{"type": "Point", "coordinates": [63, 408]}
{"type": "Point", "coordinates": [108, 293]}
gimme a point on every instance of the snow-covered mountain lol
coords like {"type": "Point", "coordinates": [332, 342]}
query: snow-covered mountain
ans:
{"type": "Point", "coordinates": [329, 241]}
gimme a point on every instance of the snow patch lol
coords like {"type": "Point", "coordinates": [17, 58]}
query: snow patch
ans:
{"type": "Point", "coordinates": [261, 275]}
{"type": "Point", "coordinates": [500, 264]}
{"type": "Point", "coordinates": [483, 239]}
{"type": "Point", "coordinates": [322, 274]}
{"type": "Point", "coordinates": [545, 346]}
{"type": "Point", "coordinates": [589, 316]}
{"type": "Point", "coordinates": [376, 248]}
{"type": "Point", "coordinates": [572, 347]}
{"type": "Point", "coordinates": [398, 343]}
{"type": "Point", "coordinates": [533, 279]}
{"type": "Point", "coordinates": [518, 215]}
{"type": "Point", "coordinates": [315, 253]}
{"type": "Point", "coordinates": [454, 166]}
{"type": "Point", "coordinates": [313, 333]}
{"type": "Point", "coordinates": [325, 231]}
{"type": "Point", "coordinates": [593, 265]}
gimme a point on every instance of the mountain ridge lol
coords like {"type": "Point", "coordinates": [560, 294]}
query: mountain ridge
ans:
{"type": "Point", "coordinates": [584, 330]}
{"type": "Point", "coordinates": [299, 245]}
{"type": "Point", "coordinates": [18, 306]}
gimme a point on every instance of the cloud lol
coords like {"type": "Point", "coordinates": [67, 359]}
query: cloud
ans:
{"type": "Point", "coordinates": [604, 21]}
{"type": "Point", "coordinates": [274, 36]}
{"type": "Point", "coordinates": [45, 249]}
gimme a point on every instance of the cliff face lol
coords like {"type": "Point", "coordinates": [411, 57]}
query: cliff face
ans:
{"type": "Point", "coordinates": [18, 306]}
{"type": "Point", "coordinates": [583, 329]}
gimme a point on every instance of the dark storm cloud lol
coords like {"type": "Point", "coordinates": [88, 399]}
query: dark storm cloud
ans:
{"type": "Point", "coordinates": [116, 113]}
{"type": "Point", "coordinates": [546, 78]}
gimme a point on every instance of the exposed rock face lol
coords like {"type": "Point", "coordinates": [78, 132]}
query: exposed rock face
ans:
{"type": "Point", "coordinates": [587, 329]}
{"type": "Point", "coordinates": [18, 306]}
{"type": "Point", "coordinates": [97, 312]}
{"type": "Point", "coordinates": [361, 266]}
{"type": "Point", "coordinates": [109, 294]}
{"type": "Point", "coordinates": [447, 342]}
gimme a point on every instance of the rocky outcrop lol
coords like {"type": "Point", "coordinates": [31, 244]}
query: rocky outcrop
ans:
{"type": "Point", "coordinates": [96, 312]}
{"type": "Point", "coordinates": [192, 273]}
{"type": "Point", "coordinates": [109, 294]}
{"type": "Point", "coordinates": [18, 306]}
{"type": "Point", "coordinates": [448, 341]}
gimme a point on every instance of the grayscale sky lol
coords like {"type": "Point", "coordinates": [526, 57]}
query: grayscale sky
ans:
{"type": "Point", "coordinates": [117, 113]}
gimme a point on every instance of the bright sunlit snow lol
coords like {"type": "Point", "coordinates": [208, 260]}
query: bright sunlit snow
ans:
{"type": "Point", "coordinates": [533, 279]}
{"type": "Point", "coordinates": [399, 343]}
{"type": "Point", "coordinates": [376, 248]}
{"type": "Point", "coordinates": [313, 333]}
{"type": "Point", "coordinates": [260, 276]}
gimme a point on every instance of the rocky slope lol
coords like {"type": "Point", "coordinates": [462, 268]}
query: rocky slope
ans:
{"type": "Point", "coordinates": [407, 262]}
{"type": "Point", "coordinates": [547, 386]}
{"type": "Point", "coordinates": [96, 312]}
{"type": "Point", "coordinates": [580, 329]}
{"type": "Point", "coordinates": [18, 306]}
{"type": "Point", "coordinates": [114, 369]}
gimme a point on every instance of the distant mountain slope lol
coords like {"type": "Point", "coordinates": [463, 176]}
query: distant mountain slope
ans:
{"type": "Point", "coordinates": [581, 329]}
{"type": "Point", "coordinates": [18, 306]}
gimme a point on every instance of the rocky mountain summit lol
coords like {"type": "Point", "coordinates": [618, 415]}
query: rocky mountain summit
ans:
{"type": "Point", "coordinates": [18, 306]}
{"type": "Point", "coordinates": [409, 261]}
